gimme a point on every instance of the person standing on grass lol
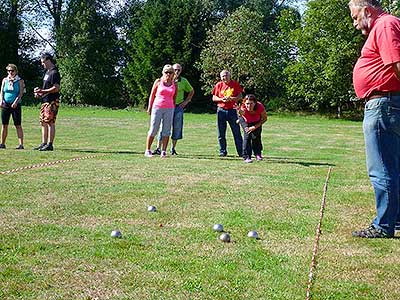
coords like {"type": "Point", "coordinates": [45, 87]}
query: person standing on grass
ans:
{"type": "Point", "coordinates": [226, 94]}
{"type": "Point", "coordinates": [50, 96]}
{"type": "Point", "coordinates": [177, 124]}
{"type": "Point", "coordinates": [376, 79]}
{"type": "Point", "coordinates": [252, 115]}
{"type": "Point", "coordinates": [12, 89]}
{"type": "Point", "coordinates": [161, 108]}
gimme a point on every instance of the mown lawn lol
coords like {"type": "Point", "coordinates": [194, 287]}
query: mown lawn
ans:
{"type": "Point", "coordinates": [56, 220]}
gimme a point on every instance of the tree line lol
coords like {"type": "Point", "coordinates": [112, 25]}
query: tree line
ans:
{"type": "Point", "coordinates": [109, 53]}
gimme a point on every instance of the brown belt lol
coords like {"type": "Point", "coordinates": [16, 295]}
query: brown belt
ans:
{"type": "Point", "coordinates": [377, 94]}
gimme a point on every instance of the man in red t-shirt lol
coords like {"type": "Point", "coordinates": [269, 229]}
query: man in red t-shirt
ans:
{"type": "Point", "coordinates": [226, 94]}
{"type": "Point", "coordinates": [376, 80]}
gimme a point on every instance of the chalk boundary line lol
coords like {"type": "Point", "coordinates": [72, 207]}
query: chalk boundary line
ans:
{"type": "Point", "coordinates": [317, 236]}
{"type": "Point", "coordinates": [50, 163]}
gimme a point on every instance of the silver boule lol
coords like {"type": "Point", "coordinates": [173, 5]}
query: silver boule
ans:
{"type": "Point", "coordinates": [225, 237]}
{"type": "Point", "coordinates": [151, 208]}
{"type": "Point", "coordinates": [218, 227]}
{"type": "Point", "coordinates": [253, 234]}
{"type": "Point", "coordinates": [116, 234]}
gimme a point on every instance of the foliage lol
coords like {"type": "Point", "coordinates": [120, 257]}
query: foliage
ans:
{"type": "Point", "coordinates": [320, 76]}
{"type": "Point", "coordinates": [88, 52]}
{"type": "Point", "coordinates": [170, 31]}
{"type": "Point", "coordinates": [239, 45]}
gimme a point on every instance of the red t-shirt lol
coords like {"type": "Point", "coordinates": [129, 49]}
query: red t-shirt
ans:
{"type": "Point", "coordinates": [221, 89]}
{"type": "Point", "coordinates": [373, 70]}
{"type": "Point", "coordinates": [252, 116]}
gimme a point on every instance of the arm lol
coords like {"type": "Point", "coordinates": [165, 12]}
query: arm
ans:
{"type": "Point", "coordinates": [2, 94]}
{"type": "Point", "coordinates": [188, 99]}
{"type": "Point", "coordinates": [43, 92]}
{"type": "Point", "coordinates": [396, 69]}
{"type": "Point", "coordinates": [21, 92]}
{"type": "Point", "coordinates": [259, 124]}
{"type": "Point", "coordinates": [175, 94]}
{"type": "Point", "coordinates": [152, 96]}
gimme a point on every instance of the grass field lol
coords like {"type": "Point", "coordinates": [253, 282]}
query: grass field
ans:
{"type": "Point", "coordinates": [56, 220]}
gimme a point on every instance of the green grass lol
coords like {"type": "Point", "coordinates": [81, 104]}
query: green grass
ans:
{"type": "Point", "coordinates": [56, 221]}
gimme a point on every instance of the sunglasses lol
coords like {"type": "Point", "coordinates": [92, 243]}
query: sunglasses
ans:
{"type": "Point", "coordinates": [10, 70]}
{"type": "Point", "coordinates": [177, 70]}
{"type": "Point", "coordinates": [168, 72]}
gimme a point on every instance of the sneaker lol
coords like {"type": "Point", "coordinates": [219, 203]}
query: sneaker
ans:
{"type": "Point", "coordinates": [40, 146]}
{"type": "Point", "coordinates": [371, 232]}
{"type": "Point", "coordinates": [148, 153]}
{"type": "Point", "coordinates": [259, 157]}
{"type": "Point", "coordinates": [157, 151]}
{"type": "Point", "coordinates": [173, 152]}
{"type": "Point", "coordinates": [248, 160]}
{"type": "Point", "coordinates": [163, 154]}
{"type": "Point", "coordinates": [20, 147]}
{"type": "Point", "coordinates": [2, 146]}
{"type": "Point", "coordinates": [47, 147]}
{"type": "Point", "coordinates": [223, 154]}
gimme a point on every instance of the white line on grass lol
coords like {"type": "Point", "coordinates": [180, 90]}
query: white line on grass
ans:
{"type": "Point", "coordinates": [50, 163]}
{"type": "Point", "coordinates": [317, 235]}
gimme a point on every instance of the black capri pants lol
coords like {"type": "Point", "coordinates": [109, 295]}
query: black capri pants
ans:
{"type": "Point", "coordinates": [8, 111]}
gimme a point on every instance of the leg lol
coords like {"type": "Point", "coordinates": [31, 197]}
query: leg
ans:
{"type": "Point", "coordinates": [45, 133]}
{"type": "Point", "coordinates": [177, 127]}
{"type": "Point", "coordinates": [382, 141]}
{"type": "Point", "coordinates": [237, 136]}
{"type": "Point", "coordinates": [5, 119]}
{"type": "Point", "coordinates": [221, 125]}
{"type": "Point", "coordinates": [256, 141]}
{"type": "Point", "coordinates": [155, 121]}
{"type": "Point", "coordinates": [20, 134]}
{"type": "Point", "coordinates": [246, 145]}
{"type": "Point", "coordinates": [149, 142]}
{"type": "Point", "coordinates": [168, 116]}
{"type": "Point", "coordinates": [4, 133]}
{"type": "Point", "coordinates": [52, 132]}
{"type": "Point", "coordinates": [17, 118]}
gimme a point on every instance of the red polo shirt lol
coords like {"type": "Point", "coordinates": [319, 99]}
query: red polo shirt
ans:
{"type": "Point", "coordinates": [222, 89]}
{"type": "Point", "coordinates": [373, 70]}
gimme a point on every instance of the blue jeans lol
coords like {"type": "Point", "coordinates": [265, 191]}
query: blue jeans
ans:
{"type": "Point", "coordinates": [381, 127]}
{"type": "Point", "coordinates": [230, 116]}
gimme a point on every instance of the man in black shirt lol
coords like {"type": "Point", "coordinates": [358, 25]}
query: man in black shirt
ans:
{"type": "Point", "coordinates": [50, 96]}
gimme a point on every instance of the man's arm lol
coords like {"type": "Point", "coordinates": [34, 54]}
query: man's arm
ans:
{"type": "Point", "coordinates": [396, 69]}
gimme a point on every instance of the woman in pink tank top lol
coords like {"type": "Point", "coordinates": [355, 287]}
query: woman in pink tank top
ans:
{"type": "Point", "coordinates": [161, 109]}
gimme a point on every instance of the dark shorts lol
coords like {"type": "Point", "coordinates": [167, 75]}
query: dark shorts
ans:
{"type": "Point", "coordinates": [16, 114]}
{"type": "Point", "coordinates": [48, 112]}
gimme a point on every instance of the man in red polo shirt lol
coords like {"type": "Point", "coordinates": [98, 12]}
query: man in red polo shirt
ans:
{"type": "Point", "coordinates": [376, 80]}
{"type": "Point", "coordinates": [226, 94]}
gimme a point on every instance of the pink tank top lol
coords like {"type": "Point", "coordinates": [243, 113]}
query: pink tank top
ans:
{"type": "Point", "coordinates": [165, 96]}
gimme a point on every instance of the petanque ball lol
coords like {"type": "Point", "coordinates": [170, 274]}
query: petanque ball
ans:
{"type": "Point", "coordinates": [225, 237]}
{"type": "Point", "coordinates": [253, 234]}
{"type": "Point", "coordinates": [218, 227]}
{"type": "Point", "coordinates": [151, 208]}
{"type": "Point", "coordinates": [116, 234]}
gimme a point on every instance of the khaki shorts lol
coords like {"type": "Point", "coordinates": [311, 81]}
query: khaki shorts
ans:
{"type": "Point", "coordinates": [48, 112]}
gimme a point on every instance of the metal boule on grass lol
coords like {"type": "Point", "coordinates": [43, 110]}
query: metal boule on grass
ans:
{"type": "Point", "coordinates": [253, 234]}
{"type": "Point", "coordinates": [218, 227]}
{"type": "Point", "coordinates": [151, 208]}
{"type": "Point", "coordinates": [225, 237]}
{"type": "Point", "coordinates": [116, 234]}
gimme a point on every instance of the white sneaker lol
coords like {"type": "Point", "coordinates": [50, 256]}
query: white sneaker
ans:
{"type": "Point", "coordinates": [148, 153]}
{"type": "Point", "coordinates": [163, 154]}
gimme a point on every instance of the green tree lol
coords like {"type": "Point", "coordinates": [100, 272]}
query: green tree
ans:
{"type": "Point", "coordinates": [238, 44]}
{"type": "Point", "coordinates": [170, 31]}
{"type": "Point", "coordinates": [320, 76]}
{"type": "Point", "coordinates": [88, 54]}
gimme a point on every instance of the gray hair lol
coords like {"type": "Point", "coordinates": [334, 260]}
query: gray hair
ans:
{"type": "Point", "coordinates": [365, 3]}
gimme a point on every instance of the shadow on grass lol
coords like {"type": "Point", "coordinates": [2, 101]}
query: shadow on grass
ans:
{"type": "Point", "coordinates": [229, 158]}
